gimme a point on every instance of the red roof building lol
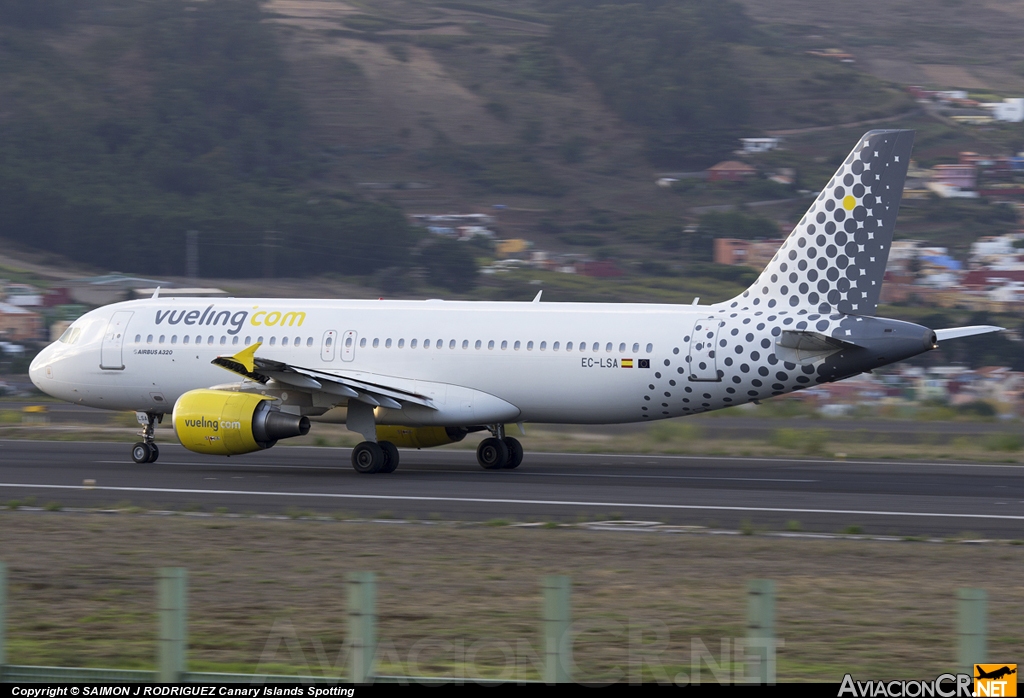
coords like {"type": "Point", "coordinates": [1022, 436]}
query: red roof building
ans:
{"type": "Point", "coordinates": [730, 171]}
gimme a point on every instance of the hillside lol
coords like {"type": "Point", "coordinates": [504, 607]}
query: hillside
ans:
{"type": "Point", "coordinates": [303, 132]}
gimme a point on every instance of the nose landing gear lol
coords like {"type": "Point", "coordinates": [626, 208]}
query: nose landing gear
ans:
{"type": "Point", "coordinates": [146, 451]}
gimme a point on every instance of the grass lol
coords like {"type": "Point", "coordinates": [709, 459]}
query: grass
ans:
{"type": "Point", "coordinates": [84, 594]}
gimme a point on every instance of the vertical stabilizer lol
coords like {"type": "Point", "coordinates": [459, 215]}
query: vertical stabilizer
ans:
{"type": "Point", "coordinates": [835, 258]}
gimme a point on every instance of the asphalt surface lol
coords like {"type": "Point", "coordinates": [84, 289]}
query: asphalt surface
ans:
{"type": "Point", "coordinates": [900, 498]}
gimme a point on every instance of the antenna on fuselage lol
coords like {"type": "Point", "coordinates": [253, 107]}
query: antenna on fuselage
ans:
{"type": "Point", "coordinates": [536, 299]}
{"type": "Point", "coordinates": [696, 300]}
{"type": "Point", "coordinates": [156, 293]}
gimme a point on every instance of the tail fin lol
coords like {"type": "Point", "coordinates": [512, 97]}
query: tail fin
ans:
{"type": "Point", "coordinates": [835, 258]}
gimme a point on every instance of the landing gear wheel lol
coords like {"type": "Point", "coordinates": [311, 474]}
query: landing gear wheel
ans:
{"type": "Point", "coordinates": [515, 453]}
{"type": "Point", "coordinates": [492, 454]}
{"type": "Point", "coordinates": [154, 453]}
{"type": "Point", "coordinates": [390, 456]}
{"type": "Point", "coordinates": [367, 458]}
{"type": "Point", "coordinates": [142, 452]}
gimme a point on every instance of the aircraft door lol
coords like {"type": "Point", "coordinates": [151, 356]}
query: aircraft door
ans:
{"type": "Point", "coordinates": [703, 354]}
{"type": "Point", "coordinates": [327, 346]}
{"type": "Point", "coordinates": [113, 340]}
{"type": "Point", "coordinates": [348, 346]}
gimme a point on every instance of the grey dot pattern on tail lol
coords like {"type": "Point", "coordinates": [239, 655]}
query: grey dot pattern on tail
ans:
{"type": "Point", "coordinates": [834, 259]}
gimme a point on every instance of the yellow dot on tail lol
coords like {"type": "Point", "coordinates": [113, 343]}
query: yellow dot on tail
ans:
{"type": "Point", "coordinates": [849, 202]}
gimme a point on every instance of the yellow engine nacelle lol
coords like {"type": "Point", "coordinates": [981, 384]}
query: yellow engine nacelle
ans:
{"type": "Point", "coordinates": [225, 423]}
{"type": "Point", "coordinates": [420, 437]}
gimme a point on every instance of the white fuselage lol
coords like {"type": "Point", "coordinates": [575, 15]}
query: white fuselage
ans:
{"type": "Point", "coordinates": [555, 362]}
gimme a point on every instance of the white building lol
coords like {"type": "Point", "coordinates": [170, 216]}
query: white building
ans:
{"type": "Point", "coordinates": [760, 145]}
{"type": "Point", "coordinates": [1011, 110]}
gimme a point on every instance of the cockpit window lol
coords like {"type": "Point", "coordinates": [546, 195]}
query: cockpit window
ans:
{"type": "Point", "coordinates": [70, 335]}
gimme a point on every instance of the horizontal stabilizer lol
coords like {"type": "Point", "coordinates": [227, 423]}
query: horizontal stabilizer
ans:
{"type": "Point", "coordinates": [803, 347]}
{"type": "Point", "coordinates": [956, 332]}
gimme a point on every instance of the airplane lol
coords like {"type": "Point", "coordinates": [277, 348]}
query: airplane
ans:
{"type": "Point", "coordinates": [994, 674]}
{"type": "Point", "coordinates": [416, 374]}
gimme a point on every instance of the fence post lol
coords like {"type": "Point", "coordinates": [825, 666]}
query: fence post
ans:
{"type": "Point", "coordinates": [173, 638]}
{"type": "Point", "coordinates": [362, 626]}
{"type": "Point", "coordinates": [760, 647]}
{"type": "Point", "coordinates": [971, 630]}
{"type": "Point", "coordinates": [3, 617]}
{"type": "Point", "coordinates": [557, 637]}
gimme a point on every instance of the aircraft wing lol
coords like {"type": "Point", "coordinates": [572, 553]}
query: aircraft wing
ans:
{"type": "Point", "coordinates": [371, 389]}
{"type": "Point", "coordinates": [956, 332]}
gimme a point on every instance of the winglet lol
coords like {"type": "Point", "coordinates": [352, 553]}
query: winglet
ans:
{"type": "Point", "coordinates": [243, 363]}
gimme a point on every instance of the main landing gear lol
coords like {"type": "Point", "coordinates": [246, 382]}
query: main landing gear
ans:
{"type": "Point", "coordinates": [369, 457]}
{"type": "Point", "coordinates": [146, 451]}
{"type": "Point", "coordinates": [499, 452]}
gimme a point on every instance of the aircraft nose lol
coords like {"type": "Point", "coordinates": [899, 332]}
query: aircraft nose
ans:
{"type": "Point", "coordinates": [39, 370]}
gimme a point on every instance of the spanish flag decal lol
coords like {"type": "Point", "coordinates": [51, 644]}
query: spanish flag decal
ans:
{"type": "Point", "coordinates": [626, 363]}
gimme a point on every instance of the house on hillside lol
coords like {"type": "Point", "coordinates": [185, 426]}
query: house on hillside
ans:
{"type": "Point", "coordinates": [730, 171]}
{"type": "Point", "coordinates": [19, 324]}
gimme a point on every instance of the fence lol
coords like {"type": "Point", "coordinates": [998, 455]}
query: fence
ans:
{"type": "Point", "coordinates": [172, 642]}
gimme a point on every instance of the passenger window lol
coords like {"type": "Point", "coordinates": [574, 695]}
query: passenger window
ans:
{"type": "Point", "coordinates": [451, 344]}
{"type": "Point", "coordinates": [490, 344]}
{"type": "Point", "coordinates": [260, 340]}
{"type": "Point", "coordinates": [273, 341]}
{"type": "Point", "coordinates": [479, 344]}
{"type": "Point", "coordinates": [465, 344]}
{"type": "Point", "coordinates": [174, 339]}
{"type": "Point", "coordinates": [329, 342]}
{"type": "Point", "coordinates": [426, 343]}
{"type": "Point", "coordinates": [162, 339]}
{"type": "Point", "coordinates": [636, 347]}
{"type": "Point", "coordinates": [149, 339]}
{"type": "Point", "coordinates": [387, 344]}
{"type": "Point", "coordinates": [376, 342]}
{"type": "Point", "coordinates": [568, 346]}
{"type": "Point", "coordinates": [223, 340]}
{"type": "Point", "coordinates": [608, 347]}
{"type": "Point", "coordinates": [401, 343]}
{"type": "Point", "coordinates": [543, 346]}
{"type": "Point", "coordinates": [248, 340]}
{"type": "Point", "coordinates": [516, 345]}
{"type": "Point", "coordinates": [650, 348]}
{"type": "Point", "coordinates": [185, 339]}
{"type": "Point", "coordinates": [234, 340]}
{"type": "Point", "coordinates": [298, 341]}
{"type": "Point", "coordinates": [138, 338]}
{"type": "Point", "coordinates": [362, 342]}
{"type": "Point", "coordinates": [348, 341]}
{"type": "Point", "coordinates": [284, 341]}
{"type": "Point", "coordinates": [504, 344]}
{"type": "Point", "coordinates": [622, 347]}
{"type": "Point", "coordinates": [309, 341]}
{"type": "Point", "coordinates": [210, 340]}
{"type": "Point", "coordinates": [554, 347]}
{"type": "Point", "coordinates": [529, 345]}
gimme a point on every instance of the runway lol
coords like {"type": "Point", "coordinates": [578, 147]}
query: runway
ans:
{"type": "Point", "coordinates": [901, 498]}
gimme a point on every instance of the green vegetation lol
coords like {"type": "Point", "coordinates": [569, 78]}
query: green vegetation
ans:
{"type": "Point", "coordinates": [665, 66]}
{"type": "Point", "coordinates": [169, 117]}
